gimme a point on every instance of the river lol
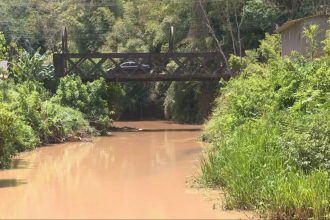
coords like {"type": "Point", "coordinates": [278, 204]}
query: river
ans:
{"type": "Point", "coordinates": [126, 175]}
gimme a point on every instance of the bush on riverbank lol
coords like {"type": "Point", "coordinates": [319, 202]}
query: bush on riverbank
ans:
{"type": "Point", "coordinates": [62, 123]}
{"type": "Point", "coordinates": [27, 116]}
{"type": "Point", "coordinates": [270, 136]}
{"type": "Point", "coordinates": [27, 124]}
{"type": "Point", "coordinates": [15, 136]}
{"type": "Point", "coordinates": [93, 99]}
{"type": "Point", "coordinates": [51, 122]}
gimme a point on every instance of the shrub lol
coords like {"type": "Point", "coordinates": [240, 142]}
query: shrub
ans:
{"type": "Point", "coordinates": [270, 137]}
{"type": "Point", "coordinates": [189, 102]}
{"type": "Point", "coordinates": [31, 67]}
{"type": "Point", "coordinates": [306, 139]}
{"type": "Point", "coordinates": [62, 122]}
{"type": "Point", "coordinates": [91, 98]}
{"type": "Point", "coordinates": [181, 103]}
{"type": "Point", "coordinates": [27, 117]}
{"type": "Point", "coordinates": [25, 100]}
{"type": "Point", "coordinates": [15, 136]}
{"type": "Point", "coordinates": [258, 173]}
{"type": "Point", "coordinates": [50, 122]}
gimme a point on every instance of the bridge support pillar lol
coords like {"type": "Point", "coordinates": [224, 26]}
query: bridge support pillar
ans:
{"type": "Point", "coordinates": [59, 64]}
{"type": "Point", "coordinates": [59, 60]}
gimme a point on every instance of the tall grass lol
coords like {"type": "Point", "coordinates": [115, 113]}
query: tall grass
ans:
{"type": "Point", "coordinates": [270, 137]}
{"type": "Point", "coordinates": [257, 174]}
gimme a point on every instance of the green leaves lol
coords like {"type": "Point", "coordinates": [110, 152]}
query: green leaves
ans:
{"type": "Point", "coordinates": [93, 99]}
{"type": "Point", "coordinates": [270, 47]}
{"type": "Point", "coordinates": [94, 27]}
{"type": "Point", "coordinates": [47, 122]}
{"type": "Point", "coordinates": [3, 47]}
{"type": "Point", "coordinates": [326, 42]}
{"type": "Point", "coordinates": [63, 122]}
{"type": "Point", "coordinates": [15, 136]}
{"type": "Point", "coordinates": [270, 135]}
{"type": "Point", "coordinates": [188, 102]}
{"type": "Point", "coordinates": [310, 34]}
{"type": "Point", "coordinates": [31, 67]}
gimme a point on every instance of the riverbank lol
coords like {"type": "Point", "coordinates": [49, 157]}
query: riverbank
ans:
{"type": "Point", "coordinates": [269, 136]}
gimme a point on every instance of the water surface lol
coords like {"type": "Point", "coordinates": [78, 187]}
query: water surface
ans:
{"type": "Point", "coordinates": [128, 175]}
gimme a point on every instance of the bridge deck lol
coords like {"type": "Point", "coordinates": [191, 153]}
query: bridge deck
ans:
{"type": "Point", "coordinates": [149, 66]}
{"type": "Point", "coordinates": [126, 77]}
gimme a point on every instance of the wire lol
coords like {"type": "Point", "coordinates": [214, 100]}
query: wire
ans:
{"type": "Point", "coordinates": [104, 3]}
{"type": "Point", "coordinates": [114, 3]}
{"type": "Point", "coordinates": [106, 32]}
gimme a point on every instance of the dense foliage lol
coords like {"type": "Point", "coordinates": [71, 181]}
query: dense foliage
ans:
{"type": "Point", "coordinates": [189, 102]}
{"type": "Point", "coordinates": [270, 135]}
{"type": "Point", "coordinates": [144, 26]}
{"type": "Point", "coordinates": [15, 135]}
{"type": "Point", "coordinates": [30, 117]}
{"type": "Point", "coordinates": [92, 98]}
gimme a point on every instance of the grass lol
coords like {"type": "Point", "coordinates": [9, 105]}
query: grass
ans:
{"type": "Point", "coordinates": [256, 174]}
{"type": "Point", "coordinates": [270, 136]}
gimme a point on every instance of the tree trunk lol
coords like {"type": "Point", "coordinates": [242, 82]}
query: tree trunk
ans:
{"type": "Point", "coordinates": [231, 29]}
{"type": "Point", "coordinates": [209, 26]}
{"type": "Point", "coordinates": [239, 25]}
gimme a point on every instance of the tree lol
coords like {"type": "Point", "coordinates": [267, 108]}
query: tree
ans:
{"type": "Point", "coordinates": [95, 26]}
{"type": "Point", "coordinates": [208, 24]}
{"type": "Point", "coordinates": [310, 34]}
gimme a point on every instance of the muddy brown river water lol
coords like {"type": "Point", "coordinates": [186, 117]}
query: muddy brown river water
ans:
{"type": "Point", "coordinates": [128, 175]}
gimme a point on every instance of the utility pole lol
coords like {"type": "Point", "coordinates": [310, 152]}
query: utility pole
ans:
{"type": "Point", "coordinates": [65, 48]}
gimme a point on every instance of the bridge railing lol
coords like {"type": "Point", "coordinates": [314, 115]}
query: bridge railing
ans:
{"type": "Point", "coordinates": [142, 66]}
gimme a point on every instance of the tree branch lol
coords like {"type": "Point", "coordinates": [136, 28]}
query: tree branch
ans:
{"type": "Point", "coordinates": [209, 26]}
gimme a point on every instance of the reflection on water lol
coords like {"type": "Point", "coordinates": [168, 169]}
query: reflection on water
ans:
{"type": "Point", "coordinates": [11, 182]}
{"type": "Point", "coordinates": [128, 175]}
{"type": "Point", "coordinates": [19, 164]}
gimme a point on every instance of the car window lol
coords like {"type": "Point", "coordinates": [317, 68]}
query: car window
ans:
{"type": "Point", "coordinates": [129, 64]}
